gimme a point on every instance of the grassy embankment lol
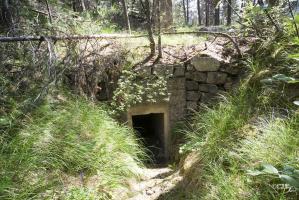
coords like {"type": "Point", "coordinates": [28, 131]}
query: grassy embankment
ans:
{"type": "Point", "coordinates": [70, 150]}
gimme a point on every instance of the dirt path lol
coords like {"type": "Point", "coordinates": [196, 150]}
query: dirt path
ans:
{"type": "Point", "coordinates": [156, 182]}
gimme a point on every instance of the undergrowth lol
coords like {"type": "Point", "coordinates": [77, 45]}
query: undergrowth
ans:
{"type": "Point", "coordinates": [235, 137]}
{"type": "Point", "coordinates": [67, 145]}
{"type": "Point", "coordinates": [248, 143]}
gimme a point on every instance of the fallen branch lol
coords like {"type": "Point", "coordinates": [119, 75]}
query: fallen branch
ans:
{"type": "Point", "coordinates": [114, 36]}
{"type": "Point", "coordinates": [231, 39]}
{"type": "Point", "coordinates": [74, 37]}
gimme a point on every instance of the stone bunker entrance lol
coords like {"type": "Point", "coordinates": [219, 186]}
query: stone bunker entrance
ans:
{"type": "Point", "coordinates": [151, 122]}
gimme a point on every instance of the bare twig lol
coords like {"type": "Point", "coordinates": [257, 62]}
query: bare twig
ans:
{"type": "Point", "coordinates": [49, 11]}
{"type": "Point", "coordinates": [292, 14]}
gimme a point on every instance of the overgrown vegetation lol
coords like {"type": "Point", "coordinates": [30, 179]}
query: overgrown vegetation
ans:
{"type": "Point", "coordinates": [55, 145]}
{"type": "Point", "coordinates": [248, 143]}
{"type": "Point", "coordinates": [66, 145]}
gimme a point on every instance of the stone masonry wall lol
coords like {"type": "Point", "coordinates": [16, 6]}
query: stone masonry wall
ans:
{"type": "Point", "coordinates": [195, 82]}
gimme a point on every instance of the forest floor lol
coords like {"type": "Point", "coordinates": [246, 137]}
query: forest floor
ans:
{"type": "Point", "coordinates": [155, 183]}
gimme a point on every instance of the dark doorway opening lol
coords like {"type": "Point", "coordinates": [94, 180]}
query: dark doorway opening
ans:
{"type": "Point", "coordinates": [151, 130]}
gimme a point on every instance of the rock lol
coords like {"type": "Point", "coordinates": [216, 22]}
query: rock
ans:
{"type": "Point", "coordinates": [145, 71]}
{"type": "Point", "coordinates": [233, 70]}
{"type": "Point", "coordinates": [216, 77]}
{"type": "Point", "coordinates": [197, 76]}
{"type": "Point", "coordinates": [190, 68]}
{"type": "Point", "coordinates": [208, 88]}
{"type": "Point", "coordinates": [191, 85]}
{"type": "Point", "coordinates": [190, 161]}
{"type": "Point", "coordinates": [228, 85]}
{"type": "Point", "coordinates": [193, 96]}
{"type": "Point", "coordinates": [205, 64]}
{"type": "Point", "coordinates": [191, 105]}
{"type": "Point", "coordinates": [207, 97]}
{"type": "Point", "coordinates": [177, 102]}
{"type": "Point", "coordinates": [176, 84]}
{"type": "Point", "coordinates": [179, 71]}
{"type": "Point", "coordinates": [163, 69]}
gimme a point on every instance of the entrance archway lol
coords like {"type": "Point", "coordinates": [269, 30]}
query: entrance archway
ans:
{"type": "Point", "coordinates": [151, 121]}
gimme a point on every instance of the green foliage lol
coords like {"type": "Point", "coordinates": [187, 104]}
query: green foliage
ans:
{"type": "Point", "coordinates": [229, 143]}
{"type": "Point", "coordinates": [277, 48]}
{"type": "Point", "coordinates": [64, 140]}
{"type": "Point", "coordinates": [216, 128]}
{"type": "Point", "coordinates": [133, 89]}
{"type": "Point", "coordinates": [288, 175]}
{"type": "Point", "coordinates": [64, 20]}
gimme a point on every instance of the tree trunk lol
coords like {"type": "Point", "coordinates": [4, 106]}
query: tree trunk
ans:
{"type": "Point", "coordinates": [126, 15]}
{"type": "Point", "coordinates": [229, 13]}
{"type": "Point", "coordinates": [83, 5]}
{"type": "Point", "coordinates": [159, 30]}
{"type": "Point", "coordinates": [147, 10]}
{"type": "Point", "coordinates": [187, 7]}
{"type": "Point", "coordinates": [185, 11]}
{"type": "Point", "coordinates": [207, 13]}
{"type": "Point", "coordinates": [198, 13]}
{"type": "Point", "coordinates": [79, 5]}
{"type": "Point", "coordinates": [6, 13]}
{"type": "Point", "coordinates": [166, 13]}
{"type": "Point", "coordinates": [217, 16]}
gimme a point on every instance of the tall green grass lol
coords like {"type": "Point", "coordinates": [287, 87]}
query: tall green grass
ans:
{"type": "Point", "coordinates": [233, 137]}
{"type": "Point", "coordinates": [65, 140]}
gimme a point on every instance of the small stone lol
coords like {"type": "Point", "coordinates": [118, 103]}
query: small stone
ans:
{"type": "Point", "coordinates": [228, 85]}
{"type": "Point", "coordinates": [207, 97]}
{"type": "Point", "coordinates": [234, 70]}
{"type": "Point", "coordinates": [179, 71]}
{"type": "Point", "coordinates": [176, 84]}
{"type": "Point", "coordinates": [163, 69]}
{"type": "Point", "coordinates": [208, 88]}
{"type": "Point", "coordinates": [197, 76]}
{"type": "Point", "coordinates": [205, 64]}
{"type": "Point", "coordinates": [190, 68]}
{"type": "Point", "coordinates": [144, 71]}
{"type": "Point", "coordinates": [191, 105]}
{"type": "Point", "coordinates": [191, 85]}
{"type": "Point", "coordinates": [193, 96]}
{"type": "Point", "coordinates": [216, 77]}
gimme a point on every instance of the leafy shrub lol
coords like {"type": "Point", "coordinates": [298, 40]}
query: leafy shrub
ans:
{"type": "Point", "coordinates": [133, 89]}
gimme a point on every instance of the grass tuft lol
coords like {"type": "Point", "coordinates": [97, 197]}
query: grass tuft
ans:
{"type": "Point", "coordinates": [71, 139]}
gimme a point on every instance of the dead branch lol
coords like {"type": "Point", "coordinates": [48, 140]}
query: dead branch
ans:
{"type": "Point", "coordinates": [114, 36]}
{"type": "Point", "coordinates": [293, 17]}
{"type": "Point", "coordinates": [231, 39]}
{"type": "Point", "coordinates": [49, 11]}
{"type": "Point", "coordinates": [74, 37]}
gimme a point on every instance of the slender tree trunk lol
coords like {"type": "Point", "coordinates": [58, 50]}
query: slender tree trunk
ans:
{"type": "Point", "coordinates": [207, 13]}
{"type": "Point", "coordinates": [217, 16]}
{"type": "Point", "coordinates": [166, 13]}
{"type": "Point", "coordinates": [79, 5]}
{"type": "Point", "coordinates": [159, 30]}
{"type": "Point", "coordinates": [198, 13]}
{"type": "Point", "coordinates": [83, 5]}
{"type": "Point", "coordinates": [229, 13]}
{"type": "Point", "coordinates": [185, 11]}
{"type": "Point", "coordinates": [147, 10]}
{"type": "Point", "coordinates": [187, 7]}
{"type": "Point", "coordinates": [126, 15]}
{"type": "Point", "coordinates": [154, 15]}
{"type": "Point", "coordinates": [6, 13]}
